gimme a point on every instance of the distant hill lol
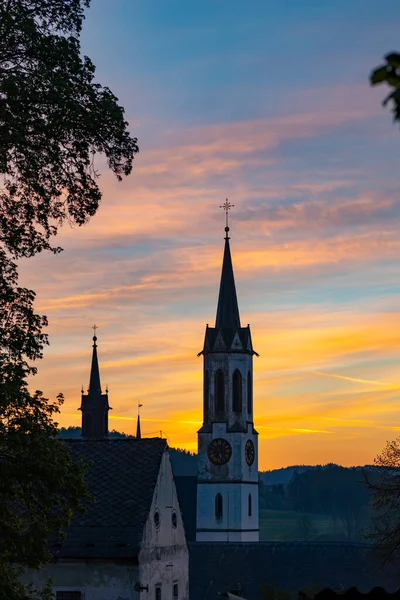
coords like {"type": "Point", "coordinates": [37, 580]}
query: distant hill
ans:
{"type": "Point", "coordinates": [76, 432]}
{"type": "Point", "coordinates": [183, 463]}
{"type": "Point", "coordinates": [284, 475]}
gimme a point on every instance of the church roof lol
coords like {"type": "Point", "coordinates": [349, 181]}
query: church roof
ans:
{"type": "Point", "coordinates": [122, 479]}
{"type": "Point", "coordinates": [242, 568]}
{"type": "Point", "coordinates": [228, 308]}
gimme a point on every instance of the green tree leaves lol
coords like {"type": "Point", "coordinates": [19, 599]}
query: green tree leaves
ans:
{"type": "Point", "coordinates": [54, 120]}
{"type": "Point", "coordinates": [389, 73]}
{"type": "Point", "coordinates": [40, 486]}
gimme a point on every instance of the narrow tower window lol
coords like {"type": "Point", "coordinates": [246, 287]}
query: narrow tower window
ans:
{"type": "Point", "coordinates": [218, 506]}
{"type": "Point", "coordinates": [219, 393]}
{"type": "Point", "coordinates": [88, 419]}
{"type": "Point", "coordinates": [249, 393]}
{"type": "Point", "coordinates": [249, 511]}
{"type": "Point", "coordinates": [237, 391]}
{"type": "Point", "coordinates": [206, 395]}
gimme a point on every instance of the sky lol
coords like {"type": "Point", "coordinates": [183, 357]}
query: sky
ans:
{"type": "Point", "coordinates": [266, 103]}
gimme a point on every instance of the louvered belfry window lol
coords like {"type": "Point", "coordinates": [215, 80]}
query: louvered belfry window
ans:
{"type": "Point", "coordinates": [237, 391]}
{"type": "Point", "coordinates": [219, 393]}
{"type": "Point", "coordinates": [249, 393]}
{"type": "Point", "coordinates": [206, 394]}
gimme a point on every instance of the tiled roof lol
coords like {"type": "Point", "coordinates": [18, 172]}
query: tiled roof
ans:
{"type": "Point", "coordinates": [122, 479]}
{"type": "Point", "coordinates": [243, 567]}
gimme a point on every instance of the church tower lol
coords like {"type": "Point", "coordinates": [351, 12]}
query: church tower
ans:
{"type": "Point", "coordinates": [94, 405]}
{"type": "Point", "coordinates": [227, 484]}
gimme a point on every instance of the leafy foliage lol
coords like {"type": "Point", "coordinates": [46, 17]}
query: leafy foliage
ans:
{"type": "Point", "coordinates": [384, 482]}
{"type": "Point", "coordinates": [390, 73]}
{"type": "Point", "coordinates": [54, 120]}
{"type": "Point", "coordinates": [40, 487]}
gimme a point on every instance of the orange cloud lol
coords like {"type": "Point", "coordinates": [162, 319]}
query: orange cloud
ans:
{"type": "Point", "coordinates": [146, 270]}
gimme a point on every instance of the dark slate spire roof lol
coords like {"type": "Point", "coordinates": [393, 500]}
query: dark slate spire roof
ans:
{"type": "Point", "coordinates": [94, 404]}
{"type": "Point", "coordinates": [227, 335]}
{"type": "Point", "coordinates": [94, 382]}
{"type": "Point", "coordinates": [228, 309]}
{"type": "Point", "coordinates": [138, 431]}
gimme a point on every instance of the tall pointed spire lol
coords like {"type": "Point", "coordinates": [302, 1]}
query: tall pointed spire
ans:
{"type": "Point", "coordinates": [227, 309]}
{"type": "Point", "coordinates": [94, 381]}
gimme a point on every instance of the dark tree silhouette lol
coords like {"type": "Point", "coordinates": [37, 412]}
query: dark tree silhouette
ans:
{"type": "Point", "coordinates": [40, 487]}
{"type": "Point", "coordinates": [384, 483]}
{"type": "Point", "coordinates": [389, 73]}
{"type": "Point", "coordinates": [54, 120]}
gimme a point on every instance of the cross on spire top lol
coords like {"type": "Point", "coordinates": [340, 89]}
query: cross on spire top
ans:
{"type": "Point", "coordinates": [226, 206]}
{"type": "Point", "coordinates": [94, 331]}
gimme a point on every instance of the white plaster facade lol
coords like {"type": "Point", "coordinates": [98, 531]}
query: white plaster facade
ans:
{"type": "Point", "coordinates": [162, 561]}
{"type": "Point", "coordinates": [164, 556]}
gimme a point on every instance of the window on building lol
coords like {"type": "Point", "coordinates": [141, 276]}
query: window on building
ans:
{"type": "Point", "coordinates": [174, 519]}
{"type": "Point", "coordinates": [237, 391]}
{"type": "Point", "coordinates": [206, 394]}
{"type": "Point", "coordinates": [158, 592]}
{"type": "Point", "coordinates": [249, 505]}
{"type": "Point", "coordinates": [89, 426]}
{"type": "Point", "coordinates": [219, 393]}
{"type": "Point", "coordinates": [175, 591]}
{"type": "Point", "coordinates": [249, 393]}
{"type": "Point", "coordinates": [69, 595]}
{"type": "Point", "coordinates": [219, 509]}
{"type": "Point", "coordinates": [157, 519]}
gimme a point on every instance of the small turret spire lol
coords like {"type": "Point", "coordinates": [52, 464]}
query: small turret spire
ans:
{"type": "Point", "coordinates": [138, 430]}
{"type": "Point", "coordinates": [227, 309]}
{"type": "Point", "coordinates": [94, 404]}
{"type": "Point", "coordinates": [94, 381]}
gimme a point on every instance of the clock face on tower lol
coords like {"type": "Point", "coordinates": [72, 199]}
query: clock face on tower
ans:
{"type": "Point", "coordinates": [249, 452]}
{"type": "Point", "coordinates": [219, 451]}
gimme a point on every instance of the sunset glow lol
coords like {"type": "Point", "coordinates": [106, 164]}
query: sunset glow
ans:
{"type": "Point", "coordinates": [311, 165]}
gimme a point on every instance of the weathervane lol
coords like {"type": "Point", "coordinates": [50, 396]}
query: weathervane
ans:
{"type": "Point", "coordinates": [94, 330]}
{"type": "Point", "coordinates": [226, 206]}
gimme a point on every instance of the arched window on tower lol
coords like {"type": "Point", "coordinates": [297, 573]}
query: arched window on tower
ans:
{"type": "Point", "coordinates": [219, 506]}
{"type": "Point", "coordinates": [237, 391]}
{"type": "Point", "coordinates": [249, 506]}
{"type": "Point", "coordinates": [88, 425]}
{"type": "Point", "coordinates": [219, 393]}
{"type": "Point", "coordinates": [249, 393]}
{"type": "Point", "coordinates": [206, 394]}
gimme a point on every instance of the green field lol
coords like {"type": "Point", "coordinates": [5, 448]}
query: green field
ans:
{"type": "Point", "coordinates": [287, 525]}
